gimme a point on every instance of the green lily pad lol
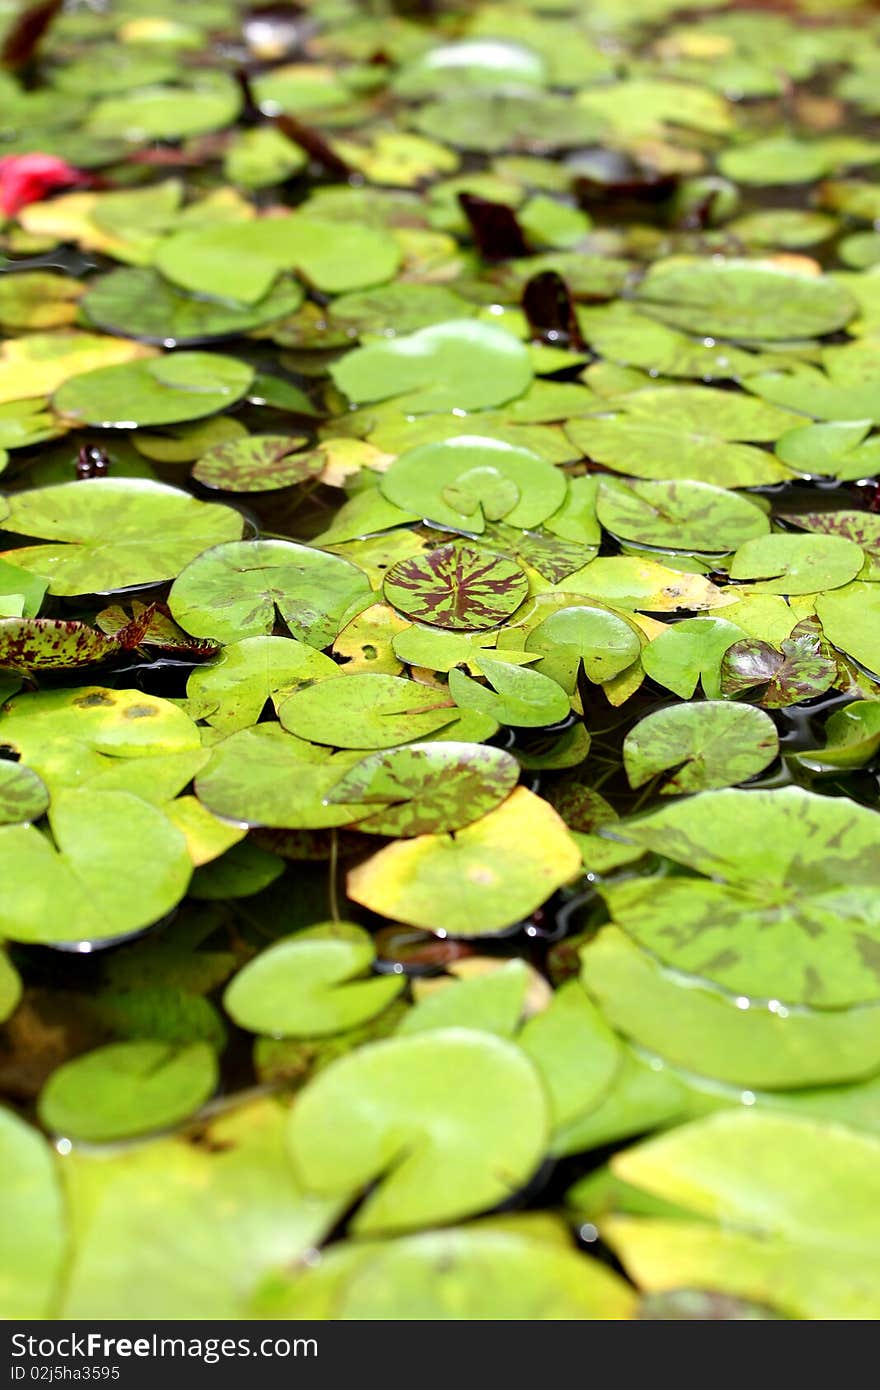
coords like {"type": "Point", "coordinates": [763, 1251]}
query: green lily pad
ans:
{"type": "Point", "coordinates": [483, 879]}
{"type": "Point", "coordinates": [849, 618]}
{"type": "Point", "coordinates": [458, 365]}
{"type": "Point", "coordinates": [842, 389]}
{"type": "Point", "coordinates": [308, 985]}
{"type": "Point", "coordinates": [149, 1241]}
{"type": "Point", "coordinates": [700, 746]}
{"type": "Point", "coordinates": [138, 303]}
{"type": "Point", "coordinates": [209, 102]}
{"type": "Point", "coordinates": [685, 432]}
{"type": "Point", "coordinates": [689, 654]}
{"type": "Point", "coordinates": [705, 1031]}
{"type": "Point", "coordinates": [778, 1209]}
{"type": "Point", "coordinates": [267, 777]}
{"type": "Point", "coordinates": [11, 988]}
{"type": "Point", "coordinates": [600, 643]}
{"type": "Point", "coordinates": [23, 795]}
{"type": "Point", "coordinates": [365, 711]}
{"type": "Point", "coordinates": [241, 260]}
{"type": "Point", "coordinates": [126, 1089]}
{"type": "Point", "coordinates": [33, 1232]}
{"type": "Point", "coordinates": [838, 449]}
{"type": "Point", "coordinates": [468, 480]}
{"type": "Point", "coordinates": [457, 586]}
{"type": "Point", "coordinates": [686, 515]}
{"type": "Point", "coordinates": [518, 696]}
{"type": "Point", "coordinates": [790, 564]}
{"type": "Point", "coordinates": [492, 1270]}
{"type": "Point", "coordinates": [116, 864]}
{"type": "Point", "coordinates": [450, 1122]}
{"type": "Point", "coordinates": [488, 122]}
{"type": "Point", "coordinates": [153, 390]}
{"type": "Point", "coordinates": [236, 590]}
{"type": "Point", "coordinates": [427, 788]}
{"type": "Point", "coordinates": [790, 912]}
{"type": "Point", "coordinates": [109, 533]}
{"type": "Point", "coordinates": [852, 737]}
{"type": "Point", "coordinates": [474, 62]}
{"type": "Point", "coordinates": [232, 690]}
{"type": "Point", "coordinates": [738, 299]}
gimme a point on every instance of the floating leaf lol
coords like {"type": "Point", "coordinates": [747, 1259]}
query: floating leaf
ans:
{"type": "Point", "coordinates": [685, 432]}
{"type": "Point", "coordinates": [782, 1212]}
{"type": "Point", "coordinates": [738, 299]}
{"type": "Point", "coordinates": [157, 391]}
{"type": "Point", "coordinates": [109, 533]}
{"type": "Point", "coordinates": [800, 670]}
{"type": "Point", "coordinates": [231, 691]}
{"type": "Point", "coordinates": [259, 463]}
{"type": "Point", "coordinates": [790, 913]}
{"type": "Point", "coordinates": [427, 788]}
{"type": "Point", "coordinates": [710, 744]}
{"type": "Point", "coordinates": [117, 864]}
{"type": "Point", "coordinates": [173, 1188]}
{"type": "Point", "coordinates": [468, 480]}
{"type": "Point", "coordinates": [707, 1032]}
{"type": "Point", "coordinates": [45, 644]}
{"type": "Point", "coordinates": [582, 638]}
{"type": "Point", "coordinates": [137, 302]}
{"type": "Point", "coordinates": [365, 711]}
{"type": "Point", "coordinates": [241, 260]}
{"type": "Point", "coordinates": [686, 515]}
{"type": "Point", "coordinates": [450, 1122]}
{"type": "Point", "coordinates": [852, 737]}
{"type": "Point", "coordinates": [457, 365]}
{"type": "Point", "coordinates": [32, 1231]}
{"type": "Point", "coordinates": [126, 1089]}
{"type": "Point", "coordinates": [234, 591]}
{"type": "Point", "coordinates": [23, 795]}
{"type": "Point", "coordinates": [457, 586]}
{"type": "Point", "coordinates": [790, 564]}
{"type": "Point", "coordinates": [485, 878]}
{"type": "Point", "coordinates": [518, 696]}
{"type": "Point", "coordinates": [842, 390]}
{"type": "Point", "coordinates": [491, 1270]}
{"type": "Point", "coordinates": [689, 654]}
{"type": "Point", "coordinates": [307, 985]}
{"type": "Point", "coordinates": [266, 776]}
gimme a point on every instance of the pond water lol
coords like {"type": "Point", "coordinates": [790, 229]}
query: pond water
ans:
{"type": "Point", "coordinates": [439, 613]}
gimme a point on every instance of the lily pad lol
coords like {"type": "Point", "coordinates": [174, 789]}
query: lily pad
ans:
{"type": "Point", "coordinates": [689, 654]}
{"type": "Point", "coordinates": [701, 746]}
{"type": "Point", "coordinates": [32, 1232]}
{"type": "Point", "coordinates": [600, 643]}
{"type": "Point", "coordinates": [686, 515]}
{"type": "Point", "coordinates": [23, 795]}
{"type": "Point", "coordinates": [427, 788]}
{"type": "Point", "coordinates": [232, 690]}
{"type": "Point", "coordinates": [458, 365]}
{"type": "Point", "coordinates": [849, 618]}
{"type": "Point", "coordinates": [109, 533]}
{"type": "Point", "coordinates": [789, 913]}
{"type": "Point", "coordinates": [467, 480]}
{"type": "Point", "coordinates": [790, 564]}
{"type": "Point", "coordinates": [308, 985]}
{"type": "Point", "coordinates": [777, 1209]}
{"type": "Point", "coordinates": [126, 1089]}
{"type": "Point", "coordinates": [457, 586]}
{"type": "Point", "coordinates": [241, 260]}
{"type": "Point", "coordinates": [236, 590]}
{"type": "Point", "coordinates": [259, 463]}
{"type": "Point", "coordinates": [137, 302]}
{"type": "Point", "coordinates": [365, 711]}
{"type": "Point", "coordinates": [450, 1122]}
{"type": "Point", "coordinates": [800, 669]}
{"type": "Point", "coordinates": [738, 299]}
{"type": "Point", "coordinates": [116, 864]}
{"type": "Point", "coordinates": [483, 879]}
{"type": "Point", "coordinates": [153, 391]}
{"type": "Point", "coordinates": [518, 696]}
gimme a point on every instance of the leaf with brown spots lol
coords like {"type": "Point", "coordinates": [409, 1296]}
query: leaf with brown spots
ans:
{"type": "Point", "coordinates": [457, 586]}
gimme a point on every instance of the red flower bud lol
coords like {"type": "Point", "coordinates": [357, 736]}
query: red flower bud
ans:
{"type": "Point", "coordinates": [26, 178]}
